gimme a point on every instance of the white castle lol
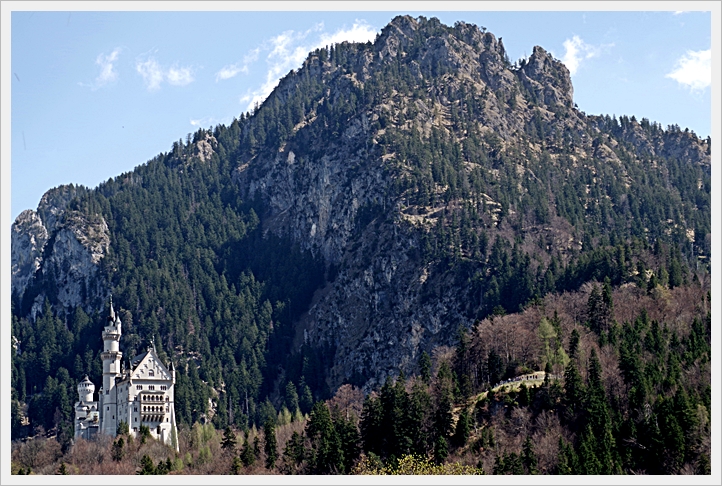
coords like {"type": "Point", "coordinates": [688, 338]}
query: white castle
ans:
{"type": "Point", "coordinates": [140, 395]}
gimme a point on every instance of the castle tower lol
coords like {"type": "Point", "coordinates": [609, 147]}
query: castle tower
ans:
{"type": "Point", "coordinates": [86, 390]}
{"type": "Point", "coordinates": [111, 357]}
{"type": "Point", "coordinates": [85, 410]}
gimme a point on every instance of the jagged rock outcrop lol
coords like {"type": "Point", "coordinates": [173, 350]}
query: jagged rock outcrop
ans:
{"type": "Point", "coordinates": [548, 79]}
{"type": "Point", "coordinates": [54, 202]}
{"type": "Point", "coordinates": [61, 248]}
{"type": "Point", "coordinates": [28, 237]}
{"type": "Point", "coordinates": [73, 258]}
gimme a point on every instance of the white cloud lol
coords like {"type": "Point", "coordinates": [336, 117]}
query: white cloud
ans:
{"type": "Point", "coordinates": [154, 74]}
{"type": "Point", "coordinates": [231, 70]}
{"type": "Point", "coordinates": [227, 72]}
{"type": "Point", "coordinates": [576, 51]}
{"type": "Point", "coordinates": [151, 72]}
{"type": "Point", "coordinates": [359, 32]}
{"type": "Point", "coordinates": [179, 76]}
{"type": "Point", "coordinates": [289, 49]}
{"type": "Point", "coordinates": [108, 73]}
{"type": "Point", "coordinates": [694, 70]}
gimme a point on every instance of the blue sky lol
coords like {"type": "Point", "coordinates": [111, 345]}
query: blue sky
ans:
{"type": "Point", "coordinates": [95, 94]}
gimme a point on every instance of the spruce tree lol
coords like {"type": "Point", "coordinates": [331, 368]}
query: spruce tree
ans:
{"type": "Point", "coordinates": [326, 455]}
{"type": "Point", "coordinates": [270, 447]}
{"type": "Point", "coordinates": [462, 430]}
{"type": "Point", "coordinates": [228, 443]}
{"type": "Point", "coordinates": [529, 457]}
{"type": "Point", "coordinates": [372, 434]}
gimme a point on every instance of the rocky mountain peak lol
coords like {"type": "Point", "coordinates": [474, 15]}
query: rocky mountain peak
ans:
{"type": "Point", "coordinates": [53, 203]}
{"type": "Point", "coordinates": [547, 78]}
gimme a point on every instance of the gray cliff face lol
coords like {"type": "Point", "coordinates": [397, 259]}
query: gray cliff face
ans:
{"type": "Point", "coordinates": [28, 237]}
{"type": "Point", "coordinates": [63, 247]}
{"type": "Point", "coordinates": [315, 200]}
{"type": "Point", "coordinates": [384, 308]}
{"type": "Point", "coordinates": [73, 261]}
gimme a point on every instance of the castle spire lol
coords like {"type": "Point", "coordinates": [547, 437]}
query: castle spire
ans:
{"type": "Point", "coordinates": [111, 312]}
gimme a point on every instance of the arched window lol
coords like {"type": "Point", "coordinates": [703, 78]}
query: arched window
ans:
{"type": "Point", "coordinates": [151, 373]}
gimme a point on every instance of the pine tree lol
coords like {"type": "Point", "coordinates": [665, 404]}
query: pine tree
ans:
{"type": "Point", "coordinates": [118, 452]}
{"type": "Point", "coordinates": [294, 454]}
{"type": "Point", "coordinates": [326, 455]}
{"type": "Point", "coordinates": [229, 441]}
{"type": "Point", "coordinates": [349, 437]}
{"type": "Point", "coordinates": [568, 460]}
{"type": "Point", "coordinates": [236, 466]}
{"type": "Point", "coordinates": [441, 450]}
{"type": "Point", "coordinates": [425, 367]}
{"type": "Point", "coordinates": [270, 447]}
{"type": "Point", "coordinates": [529, 457]}
{"type": "Point", "coordinates": [573, 390]}
{"type": "Point", "coordinates": [291, 397]}
{"type": "Point", "coordinates": [146, 466]}
{"type": "Point", "coordinates": [463, 429]}
{"type": "Point", "coordinates": [443, 400]}
{"type": "Point", "coordinates": [372, 434]}
{"type": "Point", "coordinates": [247, 455]}
{"type": "Point", "coordinates": [574, 344]}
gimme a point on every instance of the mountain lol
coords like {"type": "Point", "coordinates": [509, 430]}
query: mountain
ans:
{"type": "Point", "coordinates": [383, 196]}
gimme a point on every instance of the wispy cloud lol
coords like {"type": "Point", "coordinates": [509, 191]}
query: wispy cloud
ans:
{"type": "Point", "coordinates": [693, 70]}
{"type": "Point", "coordinates": [209, 121]}
{"type": "Point", "coordinates": [108, 73]}
{"type": "Point", "coordinates": [288, 50]}
{"type": "Point", "coordinates": [151, 72]}
{"type": "Point", "coordinates": [576, 51]}
{"type": "Point", "coordinates": [154, 74]}
{"type": "Point", "coordinates": [179, 76]}
{"type": "Point", "coordinates": [231, 70]}
{"type": "Point", "coordinates": [227, 72]}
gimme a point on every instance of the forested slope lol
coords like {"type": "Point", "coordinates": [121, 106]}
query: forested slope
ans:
{"type": "Point", "coordinates": [383, 197]}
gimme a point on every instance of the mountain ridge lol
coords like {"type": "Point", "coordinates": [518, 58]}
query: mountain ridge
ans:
{"type": "Point", "coordinates": [423, 183]}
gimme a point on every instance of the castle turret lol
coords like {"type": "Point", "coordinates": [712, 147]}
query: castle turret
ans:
{"type": "Point", "coordinates": [111, 357]}
{"type": "Point", "coordinates": [171, 368]}
{"type": "Point", "coordinates": [86, 390]}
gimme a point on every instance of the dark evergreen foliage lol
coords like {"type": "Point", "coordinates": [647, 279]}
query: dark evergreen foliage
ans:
{"type": "Point", "coordinates": [191, 267]}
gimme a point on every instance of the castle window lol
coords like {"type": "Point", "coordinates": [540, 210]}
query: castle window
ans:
{"type": "Point", "coordinates": [163, 387]}
{"type": "Point", "coordinates": [135, 409]}
{"type": "Point", "coordinates": [167, 399]}
{"type": "Point", "coordinates": [151, 373]}
{"type": "Point", "coordinates": [138, 387]}
{"type": "Point", "coordinates": [108, 409]}
{"type": "Point", "coordinates": [136, 419]}
{"type": "Point", "coordinates": [151, 387]}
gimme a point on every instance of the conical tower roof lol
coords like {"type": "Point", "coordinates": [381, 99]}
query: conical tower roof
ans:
{"type": "Point", "coordinates": [111, 312]}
